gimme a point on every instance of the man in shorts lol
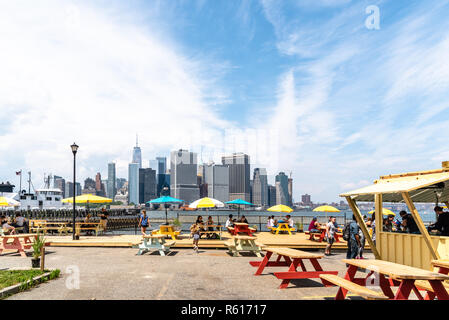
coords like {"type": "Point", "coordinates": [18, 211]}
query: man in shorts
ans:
{"type": "Point", "coordinates": [330, 235]}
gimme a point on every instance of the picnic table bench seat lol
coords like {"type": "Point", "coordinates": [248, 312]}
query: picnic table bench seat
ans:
{"type": "Point", "coordinates": [155, 241]}
{"type": "Point", "coordinates": [353, 287]}
{"type": "Point", "coordinates": [244, 243]}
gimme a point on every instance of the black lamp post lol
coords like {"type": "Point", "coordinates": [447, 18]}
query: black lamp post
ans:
{"type": "Point", "coordinates": [74, 147]}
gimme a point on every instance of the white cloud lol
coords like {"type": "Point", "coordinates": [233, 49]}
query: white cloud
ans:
{"type": "Point", "coordinates": [76, 73]}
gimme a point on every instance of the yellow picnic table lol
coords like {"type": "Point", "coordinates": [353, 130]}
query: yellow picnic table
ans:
{"type": "Point", "coordinates": [168, 230]}
{"type": "Point", "coordinates": [282, 227]}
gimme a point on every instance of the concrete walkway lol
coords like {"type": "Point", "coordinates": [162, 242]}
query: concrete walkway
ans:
{"type": "Point", "coordinates": [117, 273]}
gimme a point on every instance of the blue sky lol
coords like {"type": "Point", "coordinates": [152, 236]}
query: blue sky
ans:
{"type": "Point", "coordinates": [302, 86]}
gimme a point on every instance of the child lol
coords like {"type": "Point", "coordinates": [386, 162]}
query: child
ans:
{"type": "Point", "coordinates": [195, 233]}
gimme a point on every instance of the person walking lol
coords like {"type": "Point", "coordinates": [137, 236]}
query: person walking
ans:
{"type": "Point", "coordinates": [330, 235]}
{"type": "Point", "coordinates": [144, 222]}
{"type": "Point", "coordinates": [195, 233]}
{"type": "Point", "coordinates": [354, 240]}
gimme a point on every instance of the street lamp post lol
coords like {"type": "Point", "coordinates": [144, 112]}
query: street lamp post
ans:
{"type": "Point", "coordinates": [74, 147]}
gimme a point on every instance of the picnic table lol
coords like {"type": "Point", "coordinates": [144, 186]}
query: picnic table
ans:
{"type": "Point", "coordinates": [167, 230]}
{"type": "Point", "coordinates": [217, 231]}
{"type": "Point", "coordinates": [402, 276]}
{"type": "Point", "coordinates": [283, 226]}
{"type": "Point", "coordinates": [240, 227]}
{"type": "Point", "coordinates": [19, 243]}
{"type": "Point", "coordinates": [322, 234]}
{"type": "Point", "coordinates": [156, 241]}
{"type": "Point", "coordinates": [292, 259]}
{"type": "Point", "coordinates": [244, 243]}
{"type": "Point", "coordinates": [86, 226]}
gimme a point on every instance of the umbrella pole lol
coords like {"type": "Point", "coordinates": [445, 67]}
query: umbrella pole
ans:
{"type": "Point", "coordinates": [166, 215]}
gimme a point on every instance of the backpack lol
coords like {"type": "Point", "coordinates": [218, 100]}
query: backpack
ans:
{"type": "Point", "coordinates": [347, 231]}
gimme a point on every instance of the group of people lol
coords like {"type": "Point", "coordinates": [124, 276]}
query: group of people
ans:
{"type": "Point", "coordinates": [273, 223]}
{"type": "Point", "coordinates": [11, 226]}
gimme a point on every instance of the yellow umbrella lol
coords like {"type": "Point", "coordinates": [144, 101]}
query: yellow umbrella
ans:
{"type": "Point", "coordinates": [6, 202]}
{"type": "Point", "coordinates": [207, 203]}
{"type": "Point", "coordinates": [326, 209]}
{"type": "Point", "coordinates": [87, 198]}
{"type": "Point", "coordinates": [280, 208]}
{"type": "Point", "coordinates": [385, 212]}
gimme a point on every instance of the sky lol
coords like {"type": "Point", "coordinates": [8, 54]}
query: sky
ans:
{"type": "Point", "coordinates": [320, 89]}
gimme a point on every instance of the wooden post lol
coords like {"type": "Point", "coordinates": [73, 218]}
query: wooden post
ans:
{"type": "Point", "coordinates": [362, 225]}
{"type": "Point", "coordinates": [420, 225]}
{"type": "Point", "coordinates": [43, 258]}
{"type": "Point", "coordinates": [378, 217]}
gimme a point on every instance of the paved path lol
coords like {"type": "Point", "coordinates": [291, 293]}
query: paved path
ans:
{"type": "Point", "coordinates": [117, 273]}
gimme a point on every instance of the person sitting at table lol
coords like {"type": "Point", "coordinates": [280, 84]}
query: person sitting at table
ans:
{"type": "Point", "coordinates": [144, 222]}
{"type": "Point", "coordinates": [388, 224]}
{"type": "Point", "coordinates": [104, 219]}
{"type": "Point", "coordinates": [314, 225]}
{"type": "Point", "coordinates": [229, 222]}
{"type": "Point", "coordinates": [243, 220]}
{"type": "Point", "coordinates": [7, 228]}
{"type": "Point", "coordinates": [290, 221]}
{"type": "Point", "coordinates": [20, 222]}
{"type": "Point", "coordinates": [442, 224]}
{"type": "Point", "coordinates": [210, 222]}
{"type": "Point", "coordinates": [87, 219]}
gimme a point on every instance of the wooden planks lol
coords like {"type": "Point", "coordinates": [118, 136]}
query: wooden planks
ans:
{"type": "Point", "coordinates": [293, 253]}
{"type": "Point", "coordinates": [353, 287]}
{"type": "Point", "coordinates": [395, 270]}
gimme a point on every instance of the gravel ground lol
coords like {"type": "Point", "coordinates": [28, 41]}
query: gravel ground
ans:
{"type": "Point", "coordinates": [118, 273]}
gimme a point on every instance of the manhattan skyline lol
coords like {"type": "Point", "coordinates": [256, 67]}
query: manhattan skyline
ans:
{"type": "Point", "coordinates": [298, 86]}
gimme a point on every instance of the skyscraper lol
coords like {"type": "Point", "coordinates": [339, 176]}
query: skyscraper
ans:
{"type": "Point", "coordinates": [282, 189]}
{"type": "Point", "coordinates": [216, 178]}
{"type": "Point", "coordinates": [59, 183]}
{"type": "Point", "coordinates": [239, 176]}
{"type": "Point", "coordinates": [183, 177]}
{"type": "Point", "coordinates": [147, 185]}
{"type": "Point", "coordinates": [271, 195]}
{"type": "Point", "coordinates": [137, 154]}
{"type": "Point", "coordinates": [133, 183]}
{"type": "Point", "coordinates": [290, 191]}
{"type": "Point", "coordinates": [111, 185]}
{"type": "Point", "coordinates": [260, 187]}
{"type": "Point", "coordinates": [161, 165]}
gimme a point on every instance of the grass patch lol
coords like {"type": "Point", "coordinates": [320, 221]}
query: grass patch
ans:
{"type": "Point", "coordinates": [24, 278]}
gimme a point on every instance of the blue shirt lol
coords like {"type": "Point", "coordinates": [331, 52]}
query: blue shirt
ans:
{"type": "Point", "coordinates": [144, 220]}
{"type": "Point", "coordinates": [353, 230]}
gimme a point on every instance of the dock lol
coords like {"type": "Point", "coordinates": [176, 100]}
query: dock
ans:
{"type": "Point", "coordinates": [296, 241]}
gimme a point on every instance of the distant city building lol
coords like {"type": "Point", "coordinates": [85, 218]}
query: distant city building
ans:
{"type": "Point", "coordinates": [163, 180]}
{"type": "Point", "coordinates": [282, 189]}
{"type": "Point", "coordinates": [271, 195]}
{"type": "Point", "coordinates": [137, 154]}
{"type": "Point", "coordinates": [147, 185]}
{"type": "Point", "coordinates": [260, 187]}
{"type": "Point", "coordinates": [153, 165]}
{"type": "Point", "coordinates": [111, 184]}
{"type": "Point", "coordinates": [161, 165]}
{"type": "Point", "coordinates": [290, 192]}
{"type": "Point", "coordinates": [216, 181]}
{"type": "Point", "coordinates": [133, 183]}
{"type": "Point", "coordinates": [120, 182]}
{"type": "Point", "coordinates": [59, 183]}
{"type": "Point", "coordinates": [183, 177]}
{"type": "Point", "coordinates": [239, 175]}
{"type": "Point", "coordinates": [89, 184]}
{"type": "Point", "coordinates": [69, 189]}
{"type": "Point", "coordinates": [306, 200]}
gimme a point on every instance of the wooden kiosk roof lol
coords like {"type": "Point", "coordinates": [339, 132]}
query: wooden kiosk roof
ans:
{"type": "Point", "coordinates": [422, 187]}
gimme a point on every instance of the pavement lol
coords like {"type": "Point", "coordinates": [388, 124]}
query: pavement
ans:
{"type": "Point", "coordinates": [118, 273]}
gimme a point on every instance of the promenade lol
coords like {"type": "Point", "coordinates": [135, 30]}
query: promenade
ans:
{"type": "Point", "coordinates": [117, 273]}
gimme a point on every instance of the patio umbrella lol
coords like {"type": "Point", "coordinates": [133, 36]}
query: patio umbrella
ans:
{"type": "Point", "coordinates": [326, 209]}
{"type": "Point", "coordinates": [239, 202]}
{"type": "Point", "coordinates": [8, 202]}
{"type": "Point", "coordinates": [165, 200]}
{"type": "Point", "coordinates": [206, 203]}
{"type": "Point", "coordinates": [87, 198]}
{"type": "Point", "coordinates": [280, 208]}
{"type": "Point", "coordinates": [385, 212]}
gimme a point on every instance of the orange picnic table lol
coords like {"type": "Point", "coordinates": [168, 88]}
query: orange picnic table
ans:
{"type": "Point", "coordinates": [292, 259]}
{"type": "Point", "coordinates": [240, 227]}
{"type": "Point", "coordinates": [19, 242]}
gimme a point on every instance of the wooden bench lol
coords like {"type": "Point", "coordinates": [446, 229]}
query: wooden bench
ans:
{"type": "Point", "coordinates": [19, 242]}
{"type": "Point", "coordinates": [244, 243]}
{"type": "Point", "coordinates": [91, 226]}
{"type": "Point", "coordinates": [426, 286]}
{"type": "Point", "coordinates": [347, 285]}
{"type": "Point", "coordinates": [156, 242]}
{"type": "Point", "coordinates": [37, 225]}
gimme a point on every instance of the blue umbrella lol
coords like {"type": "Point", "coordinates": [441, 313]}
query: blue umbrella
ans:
{"type": "Point", "coordinates": [165, 199]}
{"type": "Point", "coordinates": [239, 202]}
